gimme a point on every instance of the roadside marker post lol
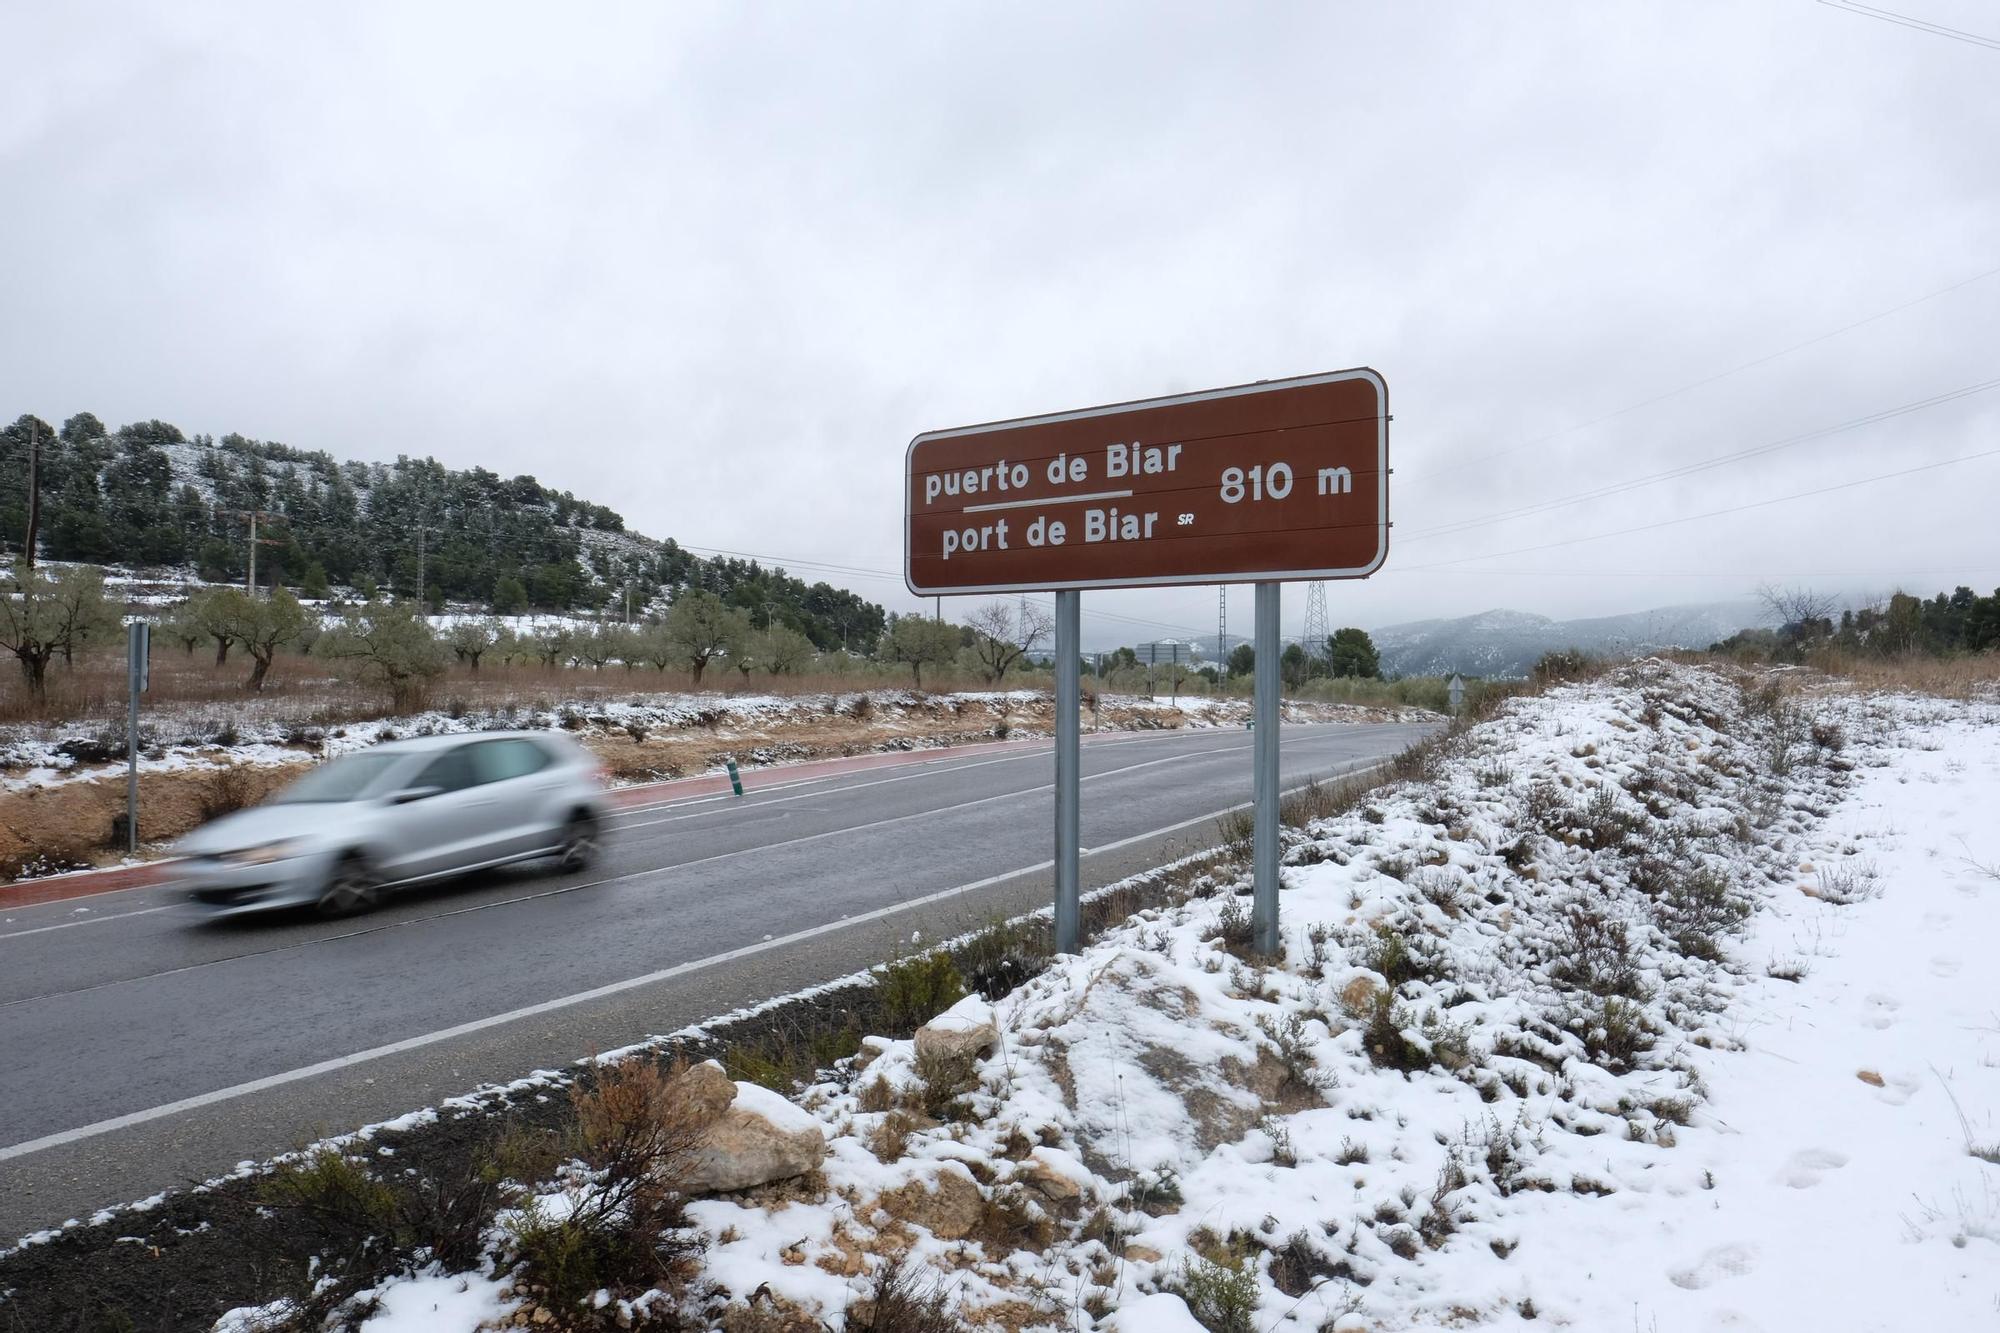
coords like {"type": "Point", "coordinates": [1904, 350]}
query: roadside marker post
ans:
{"type": "Point", "coordinates": [138, 678]}
{"type": "Point", "coordinates": [735, 780]}
{"type": "Point", "coordinates": [1456, 691]}
{"type": "Point", "coordinates": [1257, 483]}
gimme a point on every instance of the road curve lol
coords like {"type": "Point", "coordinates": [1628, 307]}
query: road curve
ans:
{"type": "Point", "coordinates": [142, 1050]}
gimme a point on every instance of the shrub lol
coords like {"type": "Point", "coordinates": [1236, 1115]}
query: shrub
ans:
{"type": "Point", "coordinates": [897, 1304]}
{"type": "Point", "coordinates": [1234, 929]}
{"type": "Point", "coordinates": [916, 989]}
{"type": "Point", "coordinates": [1004, 955]}
{"type": "Point", "coordinates": [1398, 957]}
{"type": "Point", "coordinates": [1384, 1040]}
{"type": "Point", "coordinates": [890, 1139]}
{"type": "Point", "coordinates": [1614, 1032]}
{"type": "Point", "coordinates": [226, 791]}
{"type": "Point", "coordinates": [941, 1081]}
{"type": "Point", "coordinates": [637, 1130]}
{"type": "Point", "coordinates": [1563, 665]}
{"type": "Point", "coordinates": [1594, 953]}
{"type": "Point", "coordinates": [1220, 1293]}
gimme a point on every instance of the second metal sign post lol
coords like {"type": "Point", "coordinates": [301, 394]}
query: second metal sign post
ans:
{"type": "Point", "coordinates": [1282, 479]}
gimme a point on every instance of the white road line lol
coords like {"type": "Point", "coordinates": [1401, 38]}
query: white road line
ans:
{"type": "Point", "coordinates": [920, 814]}
{"type": "Point", "coordinates": [802, 796]}
{"type": "Point", "coordinates": [92, 921]}
{"type": "Point", "coordinates": [101, 1127]}
{"type": "Point", "coordinates": [724, 800]}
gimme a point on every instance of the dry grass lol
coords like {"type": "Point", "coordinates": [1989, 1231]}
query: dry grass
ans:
{"type": "Point", "coordinates": [1945, 677]}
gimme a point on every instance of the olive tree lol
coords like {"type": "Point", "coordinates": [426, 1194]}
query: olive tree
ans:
{"type": "Point", "coordinates": [387, 644]}
{"type": "Point", "coordinates": [470, 640]}
{"type": "Point", "coordinates": [42, 615]}
{"type": "Point", "coordinates": [916, 642]}
{"type": "Point", "coordinates": [263, 625]}
{"type": "Point", "coordinates": [700, 629]}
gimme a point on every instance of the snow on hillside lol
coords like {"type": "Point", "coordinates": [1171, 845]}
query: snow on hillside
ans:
{"type": "Point", "coordinates": [1505, 643]}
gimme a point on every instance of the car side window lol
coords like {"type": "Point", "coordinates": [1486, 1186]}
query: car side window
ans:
{"type": "Point", "coordinates": [448, 772]}
{"type": "Point", "coordinates": [498, 761]}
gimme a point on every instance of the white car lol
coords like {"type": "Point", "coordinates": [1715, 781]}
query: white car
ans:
{"type": "Point", "coordinates": [400, 813]}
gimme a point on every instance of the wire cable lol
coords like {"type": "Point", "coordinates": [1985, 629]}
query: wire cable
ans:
{"type": "Point", "coordinates": [1907, 21]}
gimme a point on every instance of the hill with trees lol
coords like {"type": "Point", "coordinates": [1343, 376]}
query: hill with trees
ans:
{"type": "Point", "coordinates": [148, 495]}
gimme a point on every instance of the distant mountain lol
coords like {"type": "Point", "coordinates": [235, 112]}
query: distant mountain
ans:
{"type": "Point", "coordinates": [1507, 643]}
{"type": "Point", "coordinates": [146, 495]}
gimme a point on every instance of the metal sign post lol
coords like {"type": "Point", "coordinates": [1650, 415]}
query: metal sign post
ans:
{"type": "Point", "coordinates": [138, 649]}
{"type": "Point", "coordinates": [1069, 717]}
{"type": "Point", "coordinates": [1258, 483]}
{"type": "Point", "coordinates": [1264, 771]}
{"type": "Point", "coordinates": [1456, 692]}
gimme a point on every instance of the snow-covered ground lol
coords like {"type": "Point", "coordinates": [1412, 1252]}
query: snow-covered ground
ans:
{"type": "Point", "coordinates": [206, 737]}
{"type": "Point", "coordinates": [1656, 1004]}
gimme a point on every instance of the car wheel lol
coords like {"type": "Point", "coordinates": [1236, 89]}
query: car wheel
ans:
{"type": "Point", "coordinates": [578, 850]}
{"type": "Point", "coordinates": [352, 889]}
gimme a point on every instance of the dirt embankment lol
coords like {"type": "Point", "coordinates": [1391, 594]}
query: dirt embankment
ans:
{"type": "Point", "coordinates": [72, 825]}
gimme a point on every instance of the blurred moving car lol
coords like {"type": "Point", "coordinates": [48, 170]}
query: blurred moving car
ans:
{"type": "Point", "coordinates": [397, 814]}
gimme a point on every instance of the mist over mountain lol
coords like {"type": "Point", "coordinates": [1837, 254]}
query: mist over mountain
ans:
{"type": "Point", "coordinates": [1507, 643]}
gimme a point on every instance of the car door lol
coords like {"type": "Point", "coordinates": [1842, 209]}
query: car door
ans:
{"type": "Point", "coordinates": [520, 777]}
{"type": "Point", "coordinates": [443, 824]}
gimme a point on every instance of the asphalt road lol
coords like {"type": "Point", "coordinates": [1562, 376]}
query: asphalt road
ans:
{"type": "Point", "coordinates": [140, 1050]}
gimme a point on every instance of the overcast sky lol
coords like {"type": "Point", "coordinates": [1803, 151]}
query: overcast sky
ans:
{"type": "Point", "coordinates": [714, 265]}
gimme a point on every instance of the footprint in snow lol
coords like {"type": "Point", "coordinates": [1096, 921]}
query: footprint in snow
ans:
{"type": "Point", "coordinates": [1880, 1010]}
{"type": "Point", "coordinates": [1945, 966]}
{"type": "Point", "coordinates": [1724, 1261]}
{"type": "Point", "coordinates": [1803, 1170]}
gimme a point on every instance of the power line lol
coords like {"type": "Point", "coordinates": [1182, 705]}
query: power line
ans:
{"type": "Point", "coordinates": [1907, 21]}
{"type": "Point", "coordinates": [1712, 513]}
{"type": "Point", "coordinates": [1688, 469]}
{"type": "Point", "coordinates": [1711, 379]}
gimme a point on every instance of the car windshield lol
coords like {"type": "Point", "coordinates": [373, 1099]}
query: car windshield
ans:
{"type": "Point", "coordinates": [341, 780]}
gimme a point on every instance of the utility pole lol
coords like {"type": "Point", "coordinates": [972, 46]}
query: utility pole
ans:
{"type": "Point", "coordinates": [250, 580]}
{"type": "Point", "coordinates": [34, 491]}
{"type": "Point", "coordinates": [420, 564]}
{"type": "Point", "coordinates": [1222, 628]}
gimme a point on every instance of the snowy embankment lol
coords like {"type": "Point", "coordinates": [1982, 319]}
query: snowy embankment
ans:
{"type": "Point", "coordinates": [1656, 1002]}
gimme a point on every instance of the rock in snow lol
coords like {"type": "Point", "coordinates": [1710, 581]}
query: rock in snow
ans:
{"type": "Point", "coordinates": [964, 1031]}
{"type": "Point", "coordinates": [757, 1139]}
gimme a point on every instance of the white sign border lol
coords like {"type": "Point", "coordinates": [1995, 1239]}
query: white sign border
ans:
{"type": "Point", "coordinates": [1172, 580]}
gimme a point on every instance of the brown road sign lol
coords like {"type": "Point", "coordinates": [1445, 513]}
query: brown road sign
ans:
{"type": "Point", "coordinates": [1284, 479]}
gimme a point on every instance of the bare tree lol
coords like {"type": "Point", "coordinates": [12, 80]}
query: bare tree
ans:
{"type": "Point", "coordinates": [1800, 607]}
{"type": "Point", "coordinates": [1003, 636]}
